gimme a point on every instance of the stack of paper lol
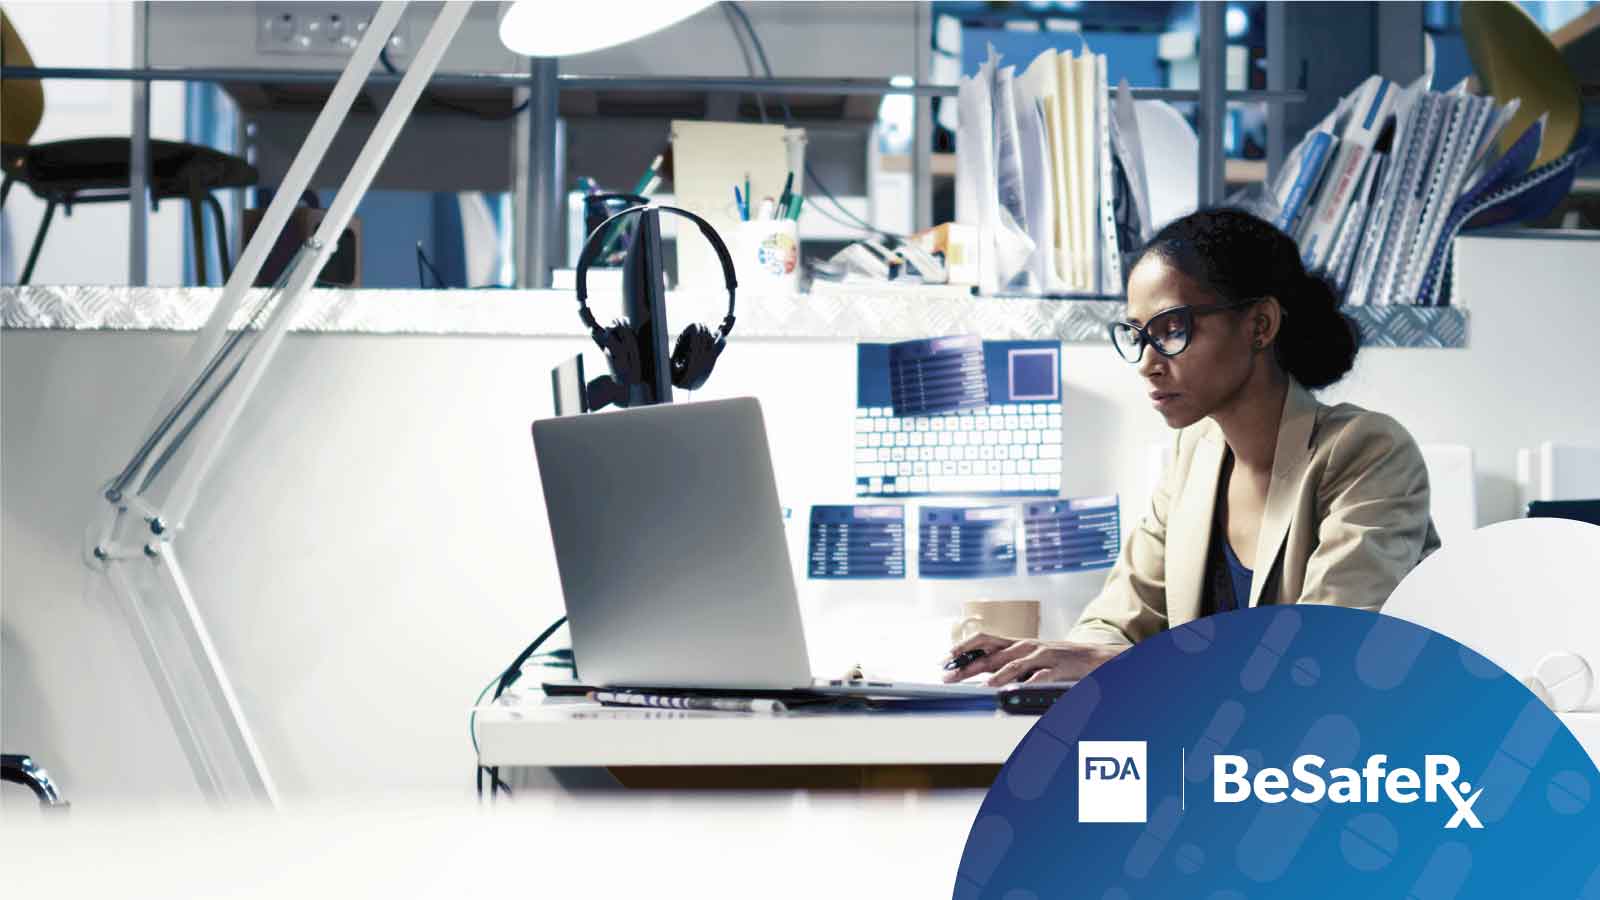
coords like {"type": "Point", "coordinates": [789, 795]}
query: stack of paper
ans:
{"type": "Point", "coordinates": [1375, 192]}
{"type": "Point", "coordinates": [1038, 173]}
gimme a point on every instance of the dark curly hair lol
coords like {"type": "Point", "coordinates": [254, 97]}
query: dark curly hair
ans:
{"type": "Point", "coordinates": [1240, 257]}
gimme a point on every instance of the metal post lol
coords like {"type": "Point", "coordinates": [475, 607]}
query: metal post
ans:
{"type": "Point", "coordinates": [1277, 79]}
{"type": "Point", "coordinates": [540, 214]}
{"type": "Point", "coordinates": [1213, 108]}
{"type": "Point", "coordinates": [139, 160]}
{"type": "Point", "coordinates": [922, 125]}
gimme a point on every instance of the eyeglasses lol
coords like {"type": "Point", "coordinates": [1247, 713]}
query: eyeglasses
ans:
{"type": "Point", "coordinates": [1168, 331]}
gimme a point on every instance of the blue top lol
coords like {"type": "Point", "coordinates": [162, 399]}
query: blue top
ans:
{"type": "Point", "coordinates": [1237, 573]}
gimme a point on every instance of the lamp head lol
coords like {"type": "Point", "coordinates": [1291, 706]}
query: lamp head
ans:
{"type": "Point", "coordinates": [543, 28]}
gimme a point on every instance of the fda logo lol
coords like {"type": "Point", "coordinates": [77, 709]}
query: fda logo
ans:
{"type": "Point", "coordinates": [1111, 781]}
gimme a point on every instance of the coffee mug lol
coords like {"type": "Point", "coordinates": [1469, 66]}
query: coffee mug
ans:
{"type": "Point", "coordinates": [1001, 618]}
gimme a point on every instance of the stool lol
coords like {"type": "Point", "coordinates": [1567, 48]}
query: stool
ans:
{"type": "Point", "coordinates": [96, 170]}
{"type": "Point", "coordinates": [22, 770]}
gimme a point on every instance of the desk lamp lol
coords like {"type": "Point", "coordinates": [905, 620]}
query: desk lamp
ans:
{"type": "Point", "coordinates": [133, 538]}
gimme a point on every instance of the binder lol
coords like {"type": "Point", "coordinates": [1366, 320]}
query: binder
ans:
{"type": "Point", "coordinates": [1474, 118]}
{"type": "Point", "coordinates": [1367, 117]}
{"type": "Point", "coordinates": [1110, 255]}
{"type": "Point", "coordinates": [1313, 160]}
{"type": "Point", "coordinates": [1408, 203]}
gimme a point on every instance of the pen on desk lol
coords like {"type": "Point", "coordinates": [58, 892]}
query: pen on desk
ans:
{"type": "Point", "coordinates": [795, 203]}
{"type": "Point", "coordinates": [662, 701]}
{"type": "Point", "coordinates": [738, 204]}
{"type": "Point", "coordinates": [747, 196]}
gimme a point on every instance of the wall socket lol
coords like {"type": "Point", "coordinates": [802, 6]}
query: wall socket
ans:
{"type": "Point", "coordinates": [321, 29]}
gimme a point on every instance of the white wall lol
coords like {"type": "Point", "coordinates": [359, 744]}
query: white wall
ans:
{"type": "Point", "coordinates": [91, 245]}
{"type": "Point", "coordinates": [375, 546]}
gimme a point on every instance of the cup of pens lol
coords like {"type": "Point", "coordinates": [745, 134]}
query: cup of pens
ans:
{"type": "Point", "coordinates": [766, 251]}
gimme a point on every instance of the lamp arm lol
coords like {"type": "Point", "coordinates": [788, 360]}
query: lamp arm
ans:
{"type": "Point", "coordinates": [188, 479]}
{"type": "Point", "coordinates": [200, 700]}
{"type": "Point", "coordinates": [209, 350]}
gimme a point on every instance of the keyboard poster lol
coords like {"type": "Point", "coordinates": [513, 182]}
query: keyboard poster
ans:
{"type": "Point", "coordinates": [946, 442]}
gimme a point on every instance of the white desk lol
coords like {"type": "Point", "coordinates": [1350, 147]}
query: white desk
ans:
{"type": "Point", "coordinates": [532, 730]}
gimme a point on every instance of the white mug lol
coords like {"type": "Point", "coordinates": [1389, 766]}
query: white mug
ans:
{"type": "Point", "coordinates": [1001, 618]}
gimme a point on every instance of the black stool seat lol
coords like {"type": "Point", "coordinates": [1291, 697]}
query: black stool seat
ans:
{"type": "Point", "coordinates": [22, 770]}
{"type": "Point", "coordinates": [96, 170]}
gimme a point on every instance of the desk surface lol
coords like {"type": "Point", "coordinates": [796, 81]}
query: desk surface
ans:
{"type": "Point", "coordinates": [532, 730]}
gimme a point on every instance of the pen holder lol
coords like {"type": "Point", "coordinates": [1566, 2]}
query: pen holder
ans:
{"type": "Point", "coordinates": [766, 256]}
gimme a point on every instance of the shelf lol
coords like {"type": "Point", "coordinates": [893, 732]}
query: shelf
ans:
{"type": "Point", "coordinates": [840, 314]}
{"type": "Point", "coordinates": [943, 165]}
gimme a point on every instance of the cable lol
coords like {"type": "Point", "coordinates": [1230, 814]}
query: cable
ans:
{"type": "Point", "coordinates": [383, 57]}
{"type": "Point", "coordinates": [767, 68]}
{"type": "Point", "coordinates": [501, 682]}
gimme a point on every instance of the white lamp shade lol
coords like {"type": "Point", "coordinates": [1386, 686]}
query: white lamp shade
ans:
{"type": "Point", "coordinates": [570, 27]}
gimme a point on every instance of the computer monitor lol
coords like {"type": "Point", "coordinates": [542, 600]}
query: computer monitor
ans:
{"type": "Point", "coordinates": [644, 305]}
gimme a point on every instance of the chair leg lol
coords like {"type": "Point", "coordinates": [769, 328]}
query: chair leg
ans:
{"type": "Point", "coordinates": [197, 232]}
{"type": "Point", "coordinates": [222, 237]}
{"type": "Point", "coordinates": [38, 241]}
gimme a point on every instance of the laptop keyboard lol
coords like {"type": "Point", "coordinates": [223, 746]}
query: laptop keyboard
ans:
{"type": "Point", "coordinates": [1011, 448]}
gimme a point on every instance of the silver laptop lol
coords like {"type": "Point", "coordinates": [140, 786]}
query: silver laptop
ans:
{"type": "Point", "coordinates": [670, 542]}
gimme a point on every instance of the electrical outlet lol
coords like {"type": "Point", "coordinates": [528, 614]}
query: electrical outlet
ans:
{"type": "Point", "coordinates": [320, 29]}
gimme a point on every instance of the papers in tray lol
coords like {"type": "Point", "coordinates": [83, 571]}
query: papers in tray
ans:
{"type": "Point", "coordinates": [1376, 192]}
{"type": "Point", "coordinates": [1043, 178]}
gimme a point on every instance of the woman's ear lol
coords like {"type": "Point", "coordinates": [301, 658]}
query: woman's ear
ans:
{"type": "Point", "coordinates": [1266, 321]}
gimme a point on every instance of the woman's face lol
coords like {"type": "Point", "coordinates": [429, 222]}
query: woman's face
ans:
{"type": "Point", "coordinates": [1217, 361]}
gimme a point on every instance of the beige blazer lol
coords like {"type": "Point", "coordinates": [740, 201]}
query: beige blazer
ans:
{"type": "Point", "coordinates": [1346, 518]}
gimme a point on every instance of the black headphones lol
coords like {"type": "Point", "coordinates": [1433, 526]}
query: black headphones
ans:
{"type": "Point", "coordinates": [697, 349]}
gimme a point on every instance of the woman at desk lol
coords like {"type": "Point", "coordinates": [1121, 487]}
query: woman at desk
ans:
{"type": "Point", "coordinates": [1270, 496]}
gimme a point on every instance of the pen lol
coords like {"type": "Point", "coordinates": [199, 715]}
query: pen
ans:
{"type": "Point", "coordinates": [963, 660]}
{"type": "Point", "coordinates": [783, 198]}
{"type": "Point", "coordinates": [795, 203]}
{"type": "Point", "coordinates": [768, 208]}
{"type": "Point", "coordinates": [747, 195]}
{"type": "Point", "coordinates": [738, 203]}
{"type": "Point", "coordinates": [650, 174]}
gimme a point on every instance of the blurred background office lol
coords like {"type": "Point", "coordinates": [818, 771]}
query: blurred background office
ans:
{"type": "Point", "coordinates": [373, 546]}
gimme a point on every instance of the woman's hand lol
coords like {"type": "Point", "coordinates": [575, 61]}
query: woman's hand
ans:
{"type": "Point", "coordinates": [1014, 661]}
